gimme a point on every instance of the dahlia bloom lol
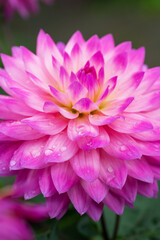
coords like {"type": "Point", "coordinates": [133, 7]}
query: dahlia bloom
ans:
{"type": "Point", "coordinates": [81, 124]}
{"type": "Point", "coordinates": [14, 216]}
{"type": "Point", "coordinates": [24, 7]}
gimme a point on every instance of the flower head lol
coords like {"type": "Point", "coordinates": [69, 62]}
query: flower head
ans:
{"type": "Point", "coordinates": [14, 217]}
{"type": "Point", "coordinates": [81, 124]}
{"type": "Point", "coordinates": [24, 7]}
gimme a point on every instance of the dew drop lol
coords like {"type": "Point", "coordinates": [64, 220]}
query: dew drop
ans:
{"type": "Point", "coordinates": [35, 154]}
{"type": "Point", "coordinates": [63, 149]}
{"type": "Point", "coordinates": [110, 169]}
{"type": "Point", "coordinates": [48, 152]}
{"type": "Point", "coordinates": [80, 130]}
{"type": "Point", "coordinates": [12, 163]}
{"type": "Point", "coordinates": [123, 148]}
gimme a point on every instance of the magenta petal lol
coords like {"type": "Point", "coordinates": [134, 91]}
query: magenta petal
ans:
{"type": "Point", "coordinates": [59, 148]}
{"type": "Point", "coordinates": [146, 189]}
{"type": "Point", "coordinates": [46, 183]}
{"type": "Point", "coordinates": [114, 202]}
{"type": "Point", "coordinates": [85, 105]}
{"type": "Point", "coordinates": [129, 190]}
{"type": "Point", "coordinates": [97, 190]}
{"type": "Point", "coordinates": [131, 123]}
{"type": "Point", "coordinates": [81, 127]}
{"type": "Point", "coordinates": [88, 143]}
{"type": "Point", "coordinates": [49, 124]}
{"type": "Point", "coordinates": [95, 210]}
{"type": "Point", "coordinates": [140, 169]}
{"type": "Point", "coordinates": [79, 198]}
{"type": "Point", "coordinates": [19, 130]}
{"type": "Point", "coordinates": [86, 164]}
{"type": "Point", "coordinates": [6, 152]}
{"type": "Point", "coordinates": [63, 177]}
{"type": "Point", "coordinates": [122, 146]}
{"type": "Point", "coordinates": [92, 45]}
{"type": "Point", "coordinates": [113, 171]}
{"type": "Point", "coordinates": [56, 204]}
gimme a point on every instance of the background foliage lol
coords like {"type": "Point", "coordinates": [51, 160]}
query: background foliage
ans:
{"type": "Point", "coordinates": [136, 20]}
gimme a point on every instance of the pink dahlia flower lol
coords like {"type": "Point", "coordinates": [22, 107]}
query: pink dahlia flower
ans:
{"type": "Point", "coordinates": [24, 7]}
{"type": "Point", "coordinates": [14, 217]}
{"type": "Point", "coordinates": [81, 124]}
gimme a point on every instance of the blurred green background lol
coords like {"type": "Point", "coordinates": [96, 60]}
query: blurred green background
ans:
{"type": "Point", "coordinates": [133, 20]}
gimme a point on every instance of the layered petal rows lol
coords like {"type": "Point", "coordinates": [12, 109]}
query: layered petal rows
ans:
{"type": "Point", "coordinates": [80, 124]}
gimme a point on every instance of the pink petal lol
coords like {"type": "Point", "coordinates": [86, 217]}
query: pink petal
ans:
{"type": "Point", "coordinates": [97, 190]}
{"type": "Point", "coordinates": [29, 155]}
{"type": "Point", "coordinates": [56, 204]}
{"type": "Point", "coordinates": [76, 91]}
{"type": "Point", "coordinates": [95, 210]}
{"type": "Point", "coordinates": [19, 130]}
{"type": "Point", "coordinates": [76, 56]}
{"type": "Point", "coordinates": [140, 169]}
{"type": "Point", "coordinates": [64, 78]}
{"type": "Point", "coordinates": [92, 45]}
{"type": "Point", "coordinates": [122, 146]}
{"type": "Point", "coordinates": [81, 127]}
{"type": "Point", "coordinates": [145, 102]}
{"type": "Point", "coordinates": [116, 65]}
{"type": "Point", "coordinates": [49, 124]}
{"type": "Point", "coordinates": [86, 164]}
{"type": "Point", "coordinates": [85, 105]}
{"type": "Point", "coordinates": [63, 176]}
{"type": "Point", "coordinates": [76, 38]}
{"type": "Point", "coordinates": [149, 148]}
{"type": "Point", "coordinates": [114, 202]}
{"type": "Point", "coordinates": [16, 106]}
{"type": "Point", "coordinates": [116, 106]}
{"type": "Point", "coordinates": [107, 43]}
{"type": "Point", "coordinates": [46, 183]}
{"type": "Point", "coordinates": [59, 148]}
{"type": "Point", "coordinates": [79, 198]}
{"type": "Point", "coordinates": [113, 171]}
{"type": "Point", "coordinates": [100, 119]}
{"type": "Point", "coordinates": [8, 115]}
{"type": "Point", "coordinates": [131, 123]}
{"type": "Point", "coordinates": [97, 60]}
{"type": "Point", "coordinates": [88, 143]}
{"type": "Point", "coordinates": [61, 97]}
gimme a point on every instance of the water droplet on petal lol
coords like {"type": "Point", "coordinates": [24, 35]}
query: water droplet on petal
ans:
{"type": "Point", "coordinates": [48, 152]}
{"type": "Point", "coordinates": [110, 169]}
{"type": "Point", "coordinates": [63, 149]}
{"type": "Point", "coordinates": [80, 130]}
{"type": "Point", "coordinates": [123, 148]}
{"type": "Point", "coordinates": [35, 154]}
{"type": "Point", "coordinates": [12, 163]}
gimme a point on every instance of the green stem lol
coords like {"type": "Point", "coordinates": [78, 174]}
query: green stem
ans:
{"type": "Point", "coordinates": [104, 228]}
{"type": "Point", "coordinates": [116, 227]}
